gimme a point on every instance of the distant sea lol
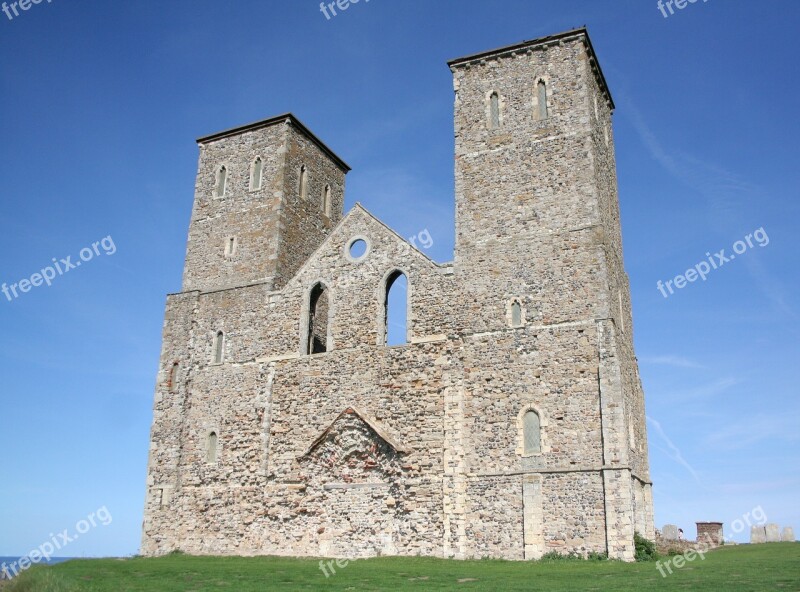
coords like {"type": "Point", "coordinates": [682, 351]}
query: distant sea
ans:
{"type": "Point", "coordinates": [9, 560]}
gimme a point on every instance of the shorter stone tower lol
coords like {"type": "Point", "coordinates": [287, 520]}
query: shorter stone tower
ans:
{"type": "Point", "coordinates": [266, 196]}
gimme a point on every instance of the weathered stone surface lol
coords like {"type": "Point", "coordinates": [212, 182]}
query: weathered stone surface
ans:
{"type": "Point", "coordinates": [710, 533]}
{"type": "Point", "coordinates": [364, 449]}
{"type": "Point", "coordinates": [787, 535]}
{"type": "Point", "coordinates": [773, 533]}
{"type": "Point", "coordinates": [758, 534]}
{"type": "Point", "coordinates": [670, 532]}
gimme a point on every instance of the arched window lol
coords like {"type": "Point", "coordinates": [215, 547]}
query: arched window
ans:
{"type": "Point", "coordinates": [255, 174]}
{"type": "Point", "coordinates": [396, 309]}
{"type": "Point", "coordinates": [531, 433]}
{"type": "Point", "coordinates": [541, 94]}
{"type": "Point", "coordinates": [172, 379]}
{"type": "Point", "coordinates": [303, 182]}
{"type": "Point", "coordinates": [494, 111]}
{"type": "Point", "coordinates": [219, 343]}
{"type": "Point", "coordinates": [222, 181]}
{"type": "Point", "coordinates": [326, 201]}
{"type": "Point", "coordinates": [318, 311]}
{"type": "Point", "coordinates": [211, 450]}
{"type": "Point", "coordinates": [516, 314]}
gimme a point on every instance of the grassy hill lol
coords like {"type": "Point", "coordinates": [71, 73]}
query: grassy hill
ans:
{"type": "Point", "coordinates": [743, 568]}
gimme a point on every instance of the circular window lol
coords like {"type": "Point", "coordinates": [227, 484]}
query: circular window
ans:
{"type": "Point", "coordinates": [357, 248]}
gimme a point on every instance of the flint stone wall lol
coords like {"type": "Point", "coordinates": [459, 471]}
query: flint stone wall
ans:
{"type": "Point", "coordinates": [368, 450]}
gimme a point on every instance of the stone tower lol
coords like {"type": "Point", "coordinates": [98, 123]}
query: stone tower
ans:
{"type": "Point", "coordinates": [512, 421]}
{"type": "Point", "coordinates": [538, 238]}
{"type": "Point", "coordinates": [244, 228]}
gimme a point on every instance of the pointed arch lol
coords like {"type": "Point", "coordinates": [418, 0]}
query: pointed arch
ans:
{"type": "Point", "coordinates": [303, 188]}
{"type": "Point", "coordinates": [541, 98]}
{"type": "Point", "coordinates": [516, 315]}
{"type": "Point", "coordinates": [494, 110]}
{"type": "Point", "coordinates": [212, 444]}
{"type": "Point", "coordinates": [396, 299]}
{"type": "Point", "coordinates": [219, 347]}
{"type": "Point", "coordinates": [172, 377]}
{"type": "Point", "coordinates": [326, 201]}
{"type": "Point", "coordinates": [532, 432]}
{"type": "Point", "coordinates": [256, 172]}
{"type": "Point", "coordinates": [221, 181]}
{"type": "Point", "coordinates": [318, 321]}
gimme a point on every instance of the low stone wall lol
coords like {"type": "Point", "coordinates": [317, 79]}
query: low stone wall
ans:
{"type": "Point", "coordinates": [666, 546]}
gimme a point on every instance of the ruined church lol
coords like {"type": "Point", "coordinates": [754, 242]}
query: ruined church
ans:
{"type": "Point", "coordinates": [511, 421]}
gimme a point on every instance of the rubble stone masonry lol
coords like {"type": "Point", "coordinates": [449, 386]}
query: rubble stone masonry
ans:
{"type": "Point", "coordinates": [510, 425]}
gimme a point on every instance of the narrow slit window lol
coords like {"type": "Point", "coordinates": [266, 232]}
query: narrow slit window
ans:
{"type": "Point", "coordinates": [326, 201]}
{"type": "Point", "coordinates": [396, 309]}
{"type": "Point", "coordinates": [541, 93]}
{"type": "Point", "coordinates": [516, 314]}
{"type": "Point", "coordinates": [211, 451]}
{"type": "Point", "coordinates": [255, 175]}
{"type": "Point", "coordinates": [303, 182]}
{"type": "Point", "coordinates": [173, 377]}
{"type": "Point", "coordinates": [318, 311]}
{"type": "Point", "coordinates": [531, 433]}
{"type": "Point", "coordinates": [494, 111]}
{"type": "Point", "coordinates": [222, 181]}
{"type": "Point", "coordinates": [230, 246]}
{"type": "Point", "coordinates": [219, 342]}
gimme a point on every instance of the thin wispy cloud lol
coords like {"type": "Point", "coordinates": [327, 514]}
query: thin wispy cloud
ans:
{"type": "Point", "coordinates": [673, 451]}
{"type": "Point", "coordinates": [714, 182]}
{"type": "Point", "coordinates": [670, 360]}
{"type": "Point", "coordinates": [726, 192]}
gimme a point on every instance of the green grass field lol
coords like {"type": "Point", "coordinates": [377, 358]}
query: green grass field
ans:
{"type": "Point", "coordinates": [748, 567]}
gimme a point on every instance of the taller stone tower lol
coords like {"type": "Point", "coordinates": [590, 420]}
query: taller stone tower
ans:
{"type": "Point", "coordinates": [539, 252]}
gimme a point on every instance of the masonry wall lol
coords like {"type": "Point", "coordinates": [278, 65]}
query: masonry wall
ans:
{"type": "Point", "coordinates": [169, 410]}
{"type": "Point", "coordinates": [620, 307]}
{"type": "Point", "coordinates": [303, 221]}
{"type": "Point", "coordinates": [526, 211]}
{"type": "Point", "coordinates": [417, 449]}
{"type": "Point", "coordinates": [251, 216]}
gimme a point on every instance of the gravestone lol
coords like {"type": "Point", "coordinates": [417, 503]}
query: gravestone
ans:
{"type": "Point", "coordinates": [758, 535]}
{"type": "Point", "coordinates": [787, 536]}
{"type": "Point", "coordinates": [670, 532]}
{"type": "Point", "coordinates": [773, 533]}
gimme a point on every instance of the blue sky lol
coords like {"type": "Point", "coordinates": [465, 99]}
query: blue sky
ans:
{"type": "Point", "coordinates": [101, 103]}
